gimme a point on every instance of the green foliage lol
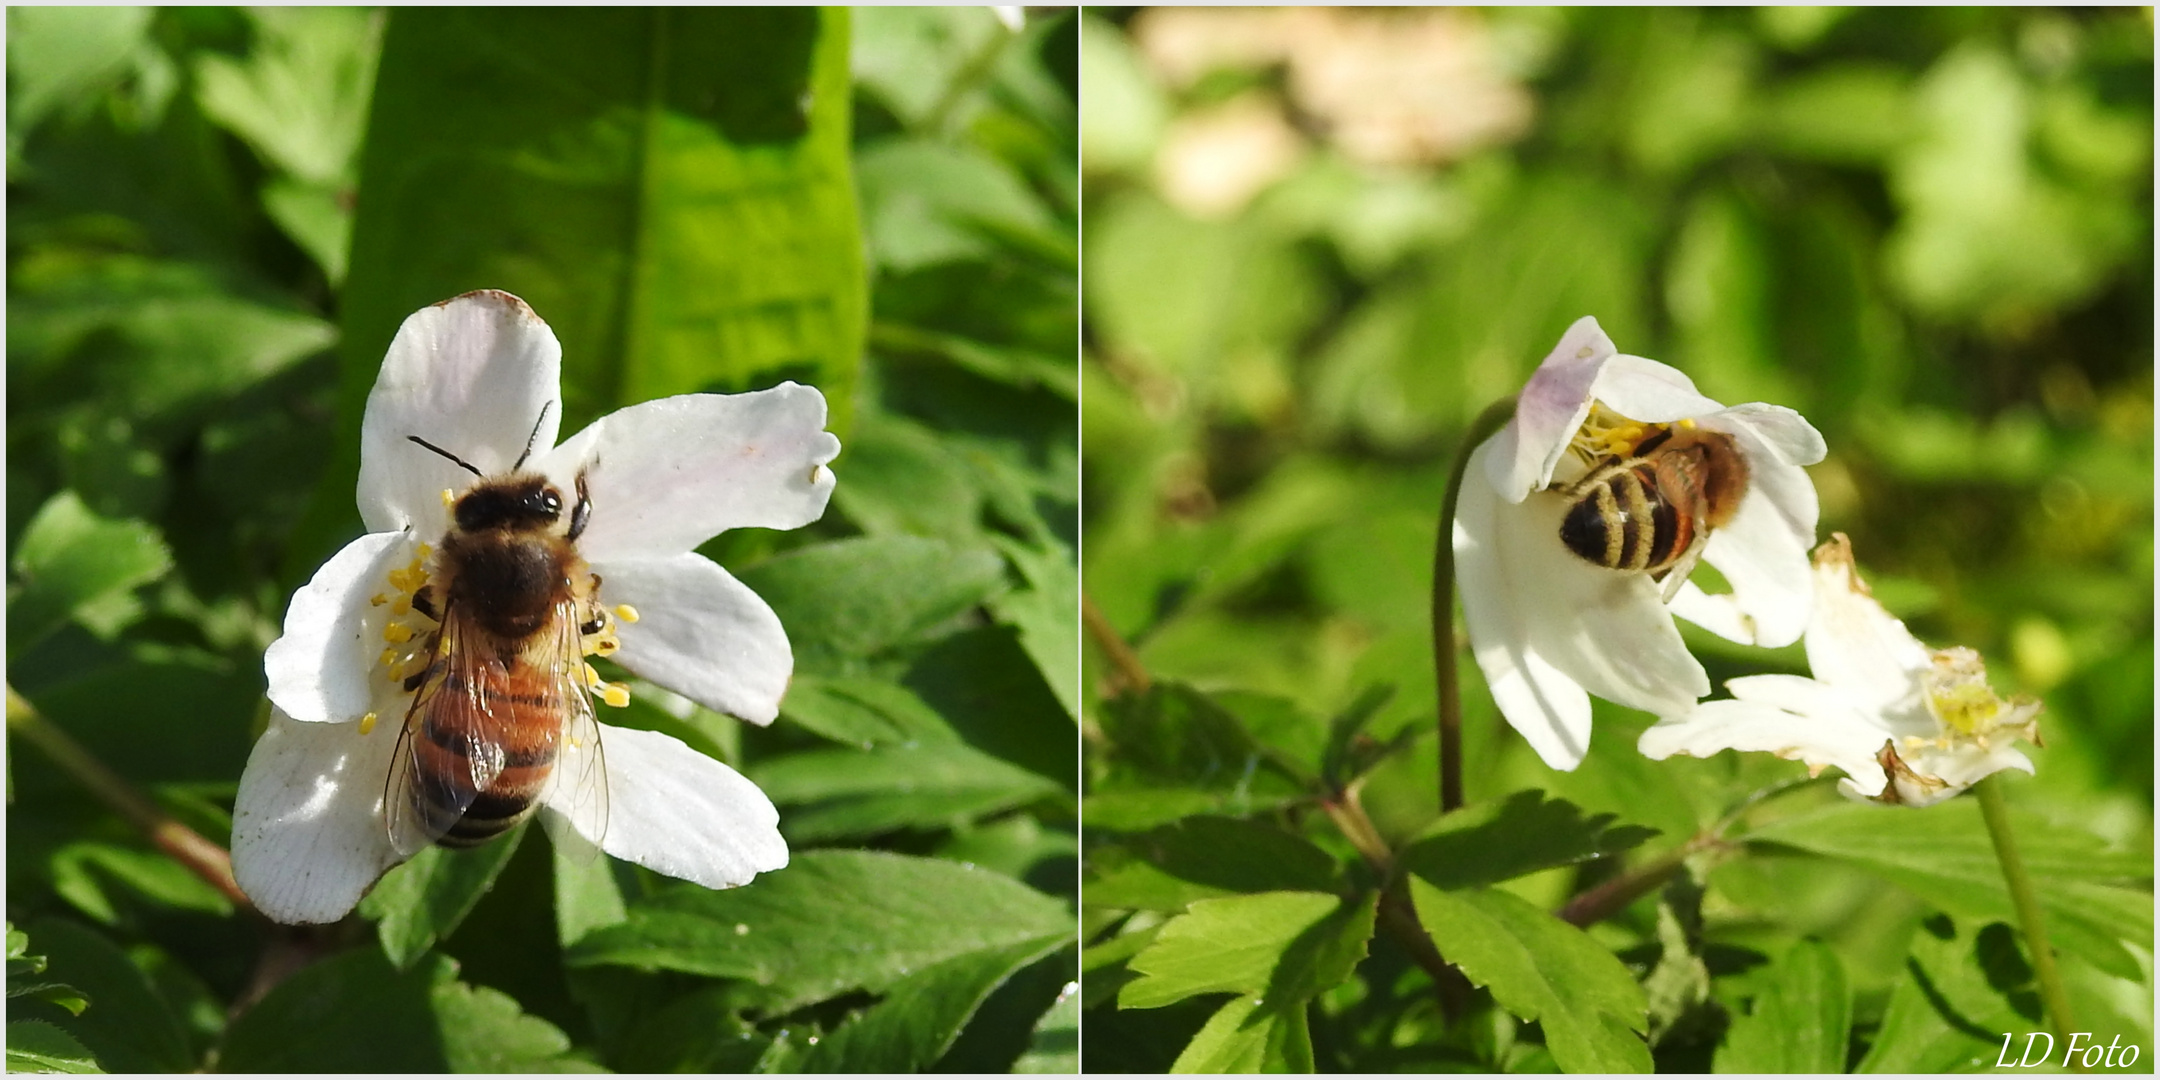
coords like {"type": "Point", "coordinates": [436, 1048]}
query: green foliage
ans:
{"type": "Point", "coordinates": [218, 219]}
{"type": "Point", "coordinates": [1313, 256]}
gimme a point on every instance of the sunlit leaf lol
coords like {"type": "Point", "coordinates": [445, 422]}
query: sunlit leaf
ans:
{"type": "Point", "coordinates": [34, 1046]}
{"type": "Point", "coordinates": [72, 563]}
{"type": "Point", "coordinates": [420, 902]}
{"type": "Point", "coordinates": [1521, 834]}
{"type": "Point", "coordinates": [1800, 1019]}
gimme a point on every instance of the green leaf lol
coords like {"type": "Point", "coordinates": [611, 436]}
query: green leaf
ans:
{"type": "Point", "coordinates": [1054, 1046]}
{"type": "Point", "coordinates": [902, 479]}
{"type": "Point", "coordinates": [72, 563]}
{"type": "Point", "coordinates": [421, 901]}
{"type": "Point", "coordinates": [34, 1046]}
{"type": "Point", "coordinates": [1542, 969]}
{"type": "Point", "coordinates": [65, 56]}
{"type": "Point", "coordinates": [833, 921]}
{"type": "Point", "coordinates": [859, 793]}
{"type": "Point", "coordinates": [923, 1013]}
{"type": "Point", "coordinates": [982, 682]}
{"type": "Point", "coordinates": [356, 1013]}
{"type": "Point", "coordinates": [128, 1027]}
{"type": "Point", "coordinates": [21, 969]}
{"type": "Point", "coordinates": [1291, 945]}
{"type": "Point", "coordinates": [1943, 855]}
{"type": "Point", "coordinates": [586, 896]}
{"type": "Point", "coordinates": [1800, 1020]}
{"type": "Point", "coordinates": [1525, 833]}
{"type": "Point", "coordinates": [83, 870]}
{"type": "Point", "coordinates": [1952, 1003]}
{"type": "Point", "coordinates": [1176, 733]}
{"type": "Point", "coordinates": [862, 712]}
{"type": "Point", "coordinates": [1141, 809]}
{"type": "Point", "coordinates": [860, 597]}
{"type": "Point", "coordinates": [300, 97]}
{"type": "Point", "coordinates": [1206, 857]}
{"type": "Point", "coordinates": [1043, 614]}
{"type": "Point", "coordinates": [1246, 1036]}
{"type": "Point", "coordinates": [928, 202]}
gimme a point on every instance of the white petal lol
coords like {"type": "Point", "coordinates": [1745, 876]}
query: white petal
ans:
{"type": "Point", "coordinates": [1853, 644]}
{"type": "Point", "coordinates": [665, 475]}
{"type": "Point", "coordinates": [1784, 433]}
{"type": "Point", "coordinates": [471, 375]}
{"type": "Point", "coordinates": [1645, 390]}
{"type": "Point", "coordinates": [1546, 626]}
{"type": "Point", "coordinates": [700, 633]}
{"type": "Point", "coordinates": [308, 836]}
{"type": "Point", "coordinates": [1778, 714]}
{"type": "Point", "coordinates": [1552, 405]}
{"type": "Point", "coordinates": [1959, 767]}
{"type": "Point", "coordinates": [319, 669]}
{"type": "Point", "coordinates": [1763, 551]}
{"type": "Point", "coordinates": [676, 811]}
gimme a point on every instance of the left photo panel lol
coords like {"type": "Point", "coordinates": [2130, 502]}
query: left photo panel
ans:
{"type": "Point", "coordinates": [542, 540]}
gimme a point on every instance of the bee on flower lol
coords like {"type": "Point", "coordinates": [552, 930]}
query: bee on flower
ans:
{"type": "Point", "coordinates": [1580, 523]}
{"type": "Point", "coordinates": [431, 684]}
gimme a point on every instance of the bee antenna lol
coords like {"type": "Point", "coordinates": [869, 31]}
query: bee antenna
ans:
{"type": "Point", "coordinates": [462, 463]}
{"type": "Point", "coordinates": [534, 437]}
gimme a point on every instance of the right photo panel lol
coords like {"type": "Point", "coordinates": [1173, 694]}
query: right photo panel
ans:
{"type": "Point", "coordinates": [1616, 540]}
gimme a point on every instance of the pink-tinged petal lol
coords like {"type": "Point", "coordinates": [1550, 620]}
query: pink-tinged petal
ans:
{"type": "Point", "coordinates": [1548, 411]}
{"type": "Point", "coordinates": [680, 813]}
{"type": "Point", "coordinates": [472, 375]}
{"type": "Point", "coordinates": [308, 837]}
{"type": "Point", "coordinates": [1856, 646]}
{"type": "Point", "coordinates": [1792, 717]}
{"type": "Point", "coordinates": [700, 633]}
{"type": "Point", "coordinates": [665, 475]}
{"type": "Point", "coordinates": [1546, 626]}
{"type": "Point", "coordinates": [319, 670]}
{"type": "Point", "coordinates": [1646, 390]}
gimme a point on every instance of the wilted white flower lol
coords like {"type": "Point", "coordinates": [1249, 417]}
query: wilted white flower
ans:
{"type": "Point", "coordinates": [1904, 723]}
{"type": "Point", "coordinates": [1548, 626]}
{"type": "Point", "coordinates": [478, 376]}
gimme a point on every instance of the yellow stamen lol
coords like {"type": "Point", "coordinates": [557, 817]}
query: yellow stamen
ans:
{"type": "Point", "coordinates": [401, 606]}
{"type": "Point", "coordinates": [449, 498]}
{"type": "Point", "coordinates": [626, 613]}
{"type": "Point", "coordinates": [388, 658]}
{"type": "Point", "coordinates": [377, 600]}
{"type": "Point", "coordinates": [397, 633]}
{"type": "Point", "coordinates": [592, 678]}
{"type": "Point", "coordinates": [367, 723]}
{"type": "Point", "coordinates": [426, 550]}
{"type": "Point", "coordinates": [616, 694]}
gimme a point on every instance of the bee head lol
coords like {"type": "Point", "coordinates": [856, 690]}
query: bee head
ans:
{"type": "Point", "coordinates": [511, 504]}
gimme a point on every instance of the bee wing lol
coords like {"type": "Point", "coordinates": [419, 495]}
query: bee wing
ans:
{"type": "Point", "coordinates": [445, 756]}
{"type": "Point", "coordinates": [1677, 573]}
{"type": "Point", "coordinates": [578, 789]}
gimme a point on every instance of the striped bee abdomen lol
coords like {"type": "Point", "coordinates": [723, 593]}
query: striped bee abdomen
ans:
{"type": "Point", "coordinates": [486, 749]}
{"type": "Point", "coordinates": [1620, 519]}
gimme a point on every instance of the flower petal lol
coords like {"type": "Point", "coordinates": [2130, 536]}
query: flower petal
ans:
{"type": "Point", "coordinates": [678, 812]}
{"type": "Point", "coordinates": [1550, 408]}
{"type": "Point", "coordinates": [308, 837]}
{"type": "Point", "coordinates": [1546, 626]}
{"type": "Point", "coordinates": [1958, 768]}
{"type": "Point", "coordinates": [471, 375]}
{"type": "Point", "coordinates": [700, 633]}
{"type": "Point", "coordinates": [1856, 646]}
{"type": "Point", "coordinates": [1786, 715]}
{"type": "Point", "coordinates": [1645, 390]}
{"type": "Point", "coordinates": [318, 670]}
{"type": "Point", "coordinates": [665, 475]}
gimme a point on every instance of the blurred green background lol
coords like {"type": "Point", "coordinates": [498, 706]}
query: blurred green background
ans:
{"type": "Point", "coordinates": [217, 219]}
{"type": "Point", "coordinates": [1319, 242]}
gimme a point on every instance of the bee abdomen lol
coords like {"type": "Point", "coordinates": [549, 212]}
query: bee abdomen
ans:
{"type": "Point", "coordinates": [1623, 523]}
{"type": "Point", "coordinates": [523, 727]}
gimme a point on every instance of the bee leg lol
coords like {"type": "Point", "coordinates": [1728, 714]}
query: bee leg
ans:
{"type": "Point", "coordinates": [413, 681]}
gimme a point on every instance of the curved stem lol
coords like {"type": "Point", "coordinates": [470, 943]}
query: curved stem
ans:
{"type": "Point", "coordinates": [1131, 671]}
{"type": "Point", "coordinates": [206, 860]}
{"type": "Point", "coordinates": [2030, 920]}
{"type": "Point", "coordinates": [1443, 605]}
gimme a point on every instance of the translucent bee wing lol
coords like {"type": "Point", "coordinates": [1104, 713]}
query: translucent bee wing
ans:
{"type": "Point", "coordinates": [577, 789]}
{"type": "Point", "coordinates": [1677, 574]}
{"type": "Point", "coordinates": [425, 793]}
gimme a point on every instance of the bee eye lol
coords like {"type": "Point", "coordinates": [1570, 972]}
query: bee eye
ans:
{"type": "Point", "coordinates": [550, 503]}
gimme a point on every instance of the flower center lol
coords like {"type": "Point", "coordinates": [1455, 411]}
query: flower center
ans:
{"type": "Point", "coordinates": [1607, 434]}
{"type": "Point", "coordinates": [1968, 710]}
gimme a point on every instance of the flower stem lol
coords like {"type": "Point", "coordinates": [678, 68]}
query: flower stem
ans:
{"type": "Point", "coordinates": [206, 860]}
{"type": "Point", "coordinates": [2027, 902]}
{"type": "Point", "coordinates": [1131, 671]}
{"type": "Point", "coordinates": [1491, 420]}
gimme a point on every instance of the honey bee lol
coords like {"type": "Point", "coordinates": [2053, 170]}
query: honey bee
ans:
{"type": "Point", "coordinates": [500, 715]}
{"type": "Point", "coordinates": [1653, 510]}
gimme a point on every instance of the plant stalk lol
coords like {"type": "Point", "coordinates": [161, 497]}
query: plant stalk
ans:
{"type": "Point", "coordinates": [2030, 919]}
{"type": "Point", "coordinates": [1130, 670]}
{"type": "Point", "coordinates": [1445, 678]}
{"type": "Point", "coordinates": [189, 848]}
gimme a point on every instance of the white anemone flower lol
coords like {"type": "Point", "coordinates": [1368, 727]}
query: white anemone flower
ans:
{"type": "Point", "coordinates": [1904, 723]}
{"type": "Point", "coordinates": [1548, 626]}
{"type": "Point", "coordinates": [479, 376]}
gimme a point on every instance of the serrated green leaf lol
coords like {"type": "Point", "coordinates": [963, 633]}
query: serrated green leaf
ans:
{"type": "Point", "coordinates": [1947, 1012]}
{"type": "Point", "coordinates": [22, 980]}
{"type": "Point", "coordinates": [420, 902]}
{"type": "Point", "coordinates": [1287, 945]}
{"type": "Point", "coordinates": [1246, 1036]}
{"type": "Point", "coordinates": [833, 921]}
{"type": "Point", "coordinates": [1204, 857]}
{"type": "Point", "coordinates": [1043, 614]}
{"type": "Point", "coordinates": [338, 1015]}
{"type": "Point", "coordinates": [1522, 834]}
{"type": "Point", "coordinates": [1943, 855]}
{"type": "Point", "coordinates": [860, 597]}
{"type": "Point", "coordinates": [34, 1046]}
{"type": "Point", "coordinates": [70, 559]}
{"type": "Point", "coordinates": [858, 793]}
{"type": "Point", "coordinates": [862, 712]}
{"type": "Point", "coordinates": [923, 1013]}
{"type": "Point", "coordinates": [1800, 1020]}
{"type": "Point", "coordinates": [128, 1027]}
{"type": "Point", "coordinates": [1542, 969]}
